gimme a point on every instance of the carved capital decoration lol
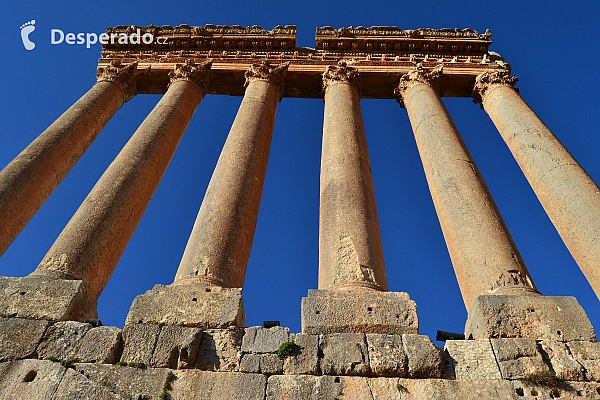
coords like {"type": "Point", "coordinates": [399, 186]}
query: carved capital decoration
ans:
{"type": "Point", "coordinates": [192, 72]}
{"type": "Point", "coordinates": [488, 78]}
{"type": "Point", "coordinates": [418, 75]}
{"type": "Point", "coordinates": [264, 71]}
{"type": "Point", "coordinates": [123, 75]}
{"type": "Point", "coordinates": [340, 73]}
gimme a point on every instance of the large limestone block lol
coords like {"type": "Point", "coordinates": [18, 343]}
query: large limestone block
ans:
{"type": "Point", "coordinates": [220, 350]}
{"type": "Point", "coordinates": [262, 340]}
{"type": "Point", "coordinates": [19, 337]}
{"type": "Point", "coordinates": [204, 385]}
{"type": "Point", "coordinates": [75, 386]}
{"type": "Point", "coordinates": [30, 379]}
{"type": "Point", "coordinates": [176, 347]}
{"type": "Point", "coordinates": [537, 317]}
{"type": "Point", "coordinates": [564, 366]}
{"type": "Point", "coordinates": [305, 358]}
{"type": "Point", "coordinates": [471, 360]}
{"type": "Point", "coordinates": [140, 340]}
{"type": "Point", "coordinates": [189, 304]}
{"type": "Point", "coordinates": [518, 358]}
{"type": "Point", "coordinates": [344, 354]}
{"type": "Point", "coordinates": [386, 355]}
{"type": "Point", "coordinates": [101, 345]}
{"type": "Point", "coordinates": [62, 340]}
{"type": "Point", "coordinates": [567, 390]}
{"type": "Point", "coordinates": [305, 387]}
{"type": "Point", "coordinates": [131, 383]}
{"type": "Point", "coordinates": [366, 311]}
{"type": "Point", "coordinates": [268, 364]}
{"type": "Point", "coordinates": [588, 355]}
{"type": "Point", "coordinates": [425, 360]}
{"type": "Point", "coordinates": [44, 297]}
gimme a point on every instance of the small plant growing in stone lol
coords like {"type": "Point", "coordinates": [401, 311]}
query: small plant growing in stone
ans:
{"type": "Point", "coordinates": [70, 363]}
{"type": "Point", "coordinates": [543, 378]}
{"type": "Point", "coordinates": [138, 365]}
{"type": "Point", "coordinates": [8, 315]}
{"type": "Point", "coordinates": [401, 388]}
{"type": "Point", "coordinates": [121, 363]}
{"type": "Point", "coordinates": [285, 350]}
{"type": "Point", "coordinates": [167, 386]}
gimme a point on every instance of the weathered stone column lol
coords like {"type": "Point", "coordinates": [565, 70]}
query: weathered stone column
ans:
{"type": "Point", "coordinates": [351, 267]}
{"type": "Point", "coordinates": [570, 197]}
{"type": "Point", "coordinates": [495, 284]}
{"type": "Point", "coordinates": [214, 263]}
{"type": "Point", "coordinates": [32, 176]}
{"type": "Point", "coordinates": [93, 241]}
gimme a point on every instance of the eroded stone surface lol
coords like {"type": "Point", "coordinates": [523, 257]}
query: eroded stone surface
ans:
{"type": "Point", "coordinates": [344, 354]}
{"type": "Point", "coordinates": [261, 340]}
{"type": "Point", "coordinates": [102, 344]}
{"type": "Point", "coordinates": [561, 361]}
{"type": "Point", "coordinates": [386, 355]}
{"type": "Point", "coordinates": [518, 358]}
{"type": "Point", "coordinates": [305, 358]}
{"type": "Point", "coordinates": [471, 360]}
{"type": "Point", "coordinates": [304, 387]}
{"type": "Point", "coordinates": [176, 347]}
{"type": "Point", "coordinates": [19, 337]}
{"type": "Point", "coordinates": [588, 355]}
{"type": "Point", "coordinates": [366, 311]}
{"type": "Point", "coordinates": [220, 350]}
{"type": "Point", "coordinates": [62, 340]}
{"type": "Point", "coordinates": [204, 385]}
{"type": "Point", "coordinates": [75, 386]}
{"type": "Point", "coordinates": [30, 379]}
{"type": "Point", "coordinates": [425, 360]}
{"type": "Point", "coordinates": [139, 342]}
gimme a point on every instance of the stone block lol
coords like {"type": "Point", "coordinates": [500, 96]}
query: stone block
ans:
{"type": "Point", "coordinates": [329, 311]}
{"type": "Point", "coordinates": [128, 382]}
{"type": "Point", "coordinates": [30, 379]}
{"type": "Point", "coordinates": [305, 387]}
{"type": "Point", "coordinates": [344, 354]}
{"type": "Point", "coordinates": [588, 355]}
{"type": "Point", "coordinates": [471, 360]}
{"type": "Point", "coordinates": [561, 361]}
{"type": "Point", "coordinates": [139, 342]}
{"type": "Point", "coordinates": [191, 304]}
{"type": "Point", "coordinates": [62, 340]}
{"type": "Point", "coordinates": [220, 350]}
{"type": "Point", "coordinates": [45, 298]}
{"type": "Point", "coordinates": [528, 316]}
{"type": "Point", "coordinates": [270, 364]}
{"type": "Point", "coordinates": [75, 386]}
{"type": "Point", "coordinates": [386, 355]}
{"type": "Point", "coordinates": [250, 363]}
{"type": "Point", "coordinates": [101, 345]}
{"type": "Point", "coordinates": [204, 385]}
{"type": "Point", "coordinates": [261, 340]}
{"type": "Point", "coordinates": [518, 358]}
{"type": "Point", "coordinates": [176, 347]}
{"type": "Point", "coordinates": [425, 360]}
{"type": "Point", "coordinates": [20, 337]}
{"type": "Point", "coordinates": [305, 358]}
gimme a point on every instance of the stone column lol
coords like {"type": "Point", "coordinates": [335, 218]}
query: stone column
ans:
{"type": "Point", "coordinates": [32, 176]}
{"type": "Point", "coordinates": [93, 241]}
{"type": "Point", "coordinates": [352, 293]}
{"type": "Point", "coordinates": [570, 197]}
{"type": "Point", "coordinates": [496, 286]}
{"type": "Point", "coordinates": [211, 273]}
{"type": "Point", "coordinates": [350, 252]}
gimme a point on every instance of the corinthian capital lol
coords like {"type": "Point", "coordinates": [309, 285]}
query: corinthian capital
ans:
{"type": "Point", "coordinates": [264, 71]}
{"type": "Point", "coordinates": [121, 74]}
{"type": "Point", "coordinates": [340, 73]}
{"type": "Point", "coordinates": [418, 75]}
{"type": "Point", "coordinates": [493, 77]}
{"type": "Point", "coordinates": [192, 72]}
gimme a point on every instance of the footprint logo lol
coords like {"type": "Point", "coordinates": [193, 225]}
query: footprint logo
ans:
{"type": "Point", "coordinates": [26, 29]}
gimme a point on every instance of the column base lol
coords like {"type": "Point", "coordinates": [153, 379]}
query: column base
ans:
{"type": "Point", "coordinates": [194, 304]}
{"type": "Point", "coordinates": [40, 296]}
{"type": "Point", "coordinates": [531, 316]}
{"type": "Point", "coordinates": [358, 311]}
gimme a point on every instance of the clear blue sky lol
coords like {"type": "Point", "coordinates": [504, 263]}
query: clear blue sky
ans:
{"type": "Point", "coordinates": [553, 49]}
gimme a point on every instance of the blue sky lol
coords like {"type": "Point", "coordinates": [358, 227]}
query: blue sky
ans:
{"type": "Point", "coordinates": [553, 50]}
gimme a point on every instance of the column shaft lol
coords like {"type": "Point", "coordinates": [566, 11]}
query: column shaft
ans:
{"type": "Point", "coordinates": [32, 176]}
{"type": "Point", "coordinates": [570, 197]}
{"type": "Point", "coordinates": [94, 239]}
{"type": "Point", "coordinates": [350, 251]}
{"type": "Point", "coordinates": [220, 243]}
{"type": "Point", "coordinates": [483, 254]}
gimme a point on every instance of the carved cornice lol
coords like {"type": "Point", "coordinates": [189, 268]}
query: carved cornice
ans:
{"type": "Point", "coordinates": [264, 71]}
{"type": "Point", "coordinates": [412, 33]}
{"type": "Point", "coordinates": [192, 72]}
{"type": "Point", "coordinates": [340, 73]}
{"type": "Point", "coordinates": [121, 74]}
{"type": "Point", "coordinates": [488, 78]}
{"type": "Point", "coordinates": [418, 75]}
